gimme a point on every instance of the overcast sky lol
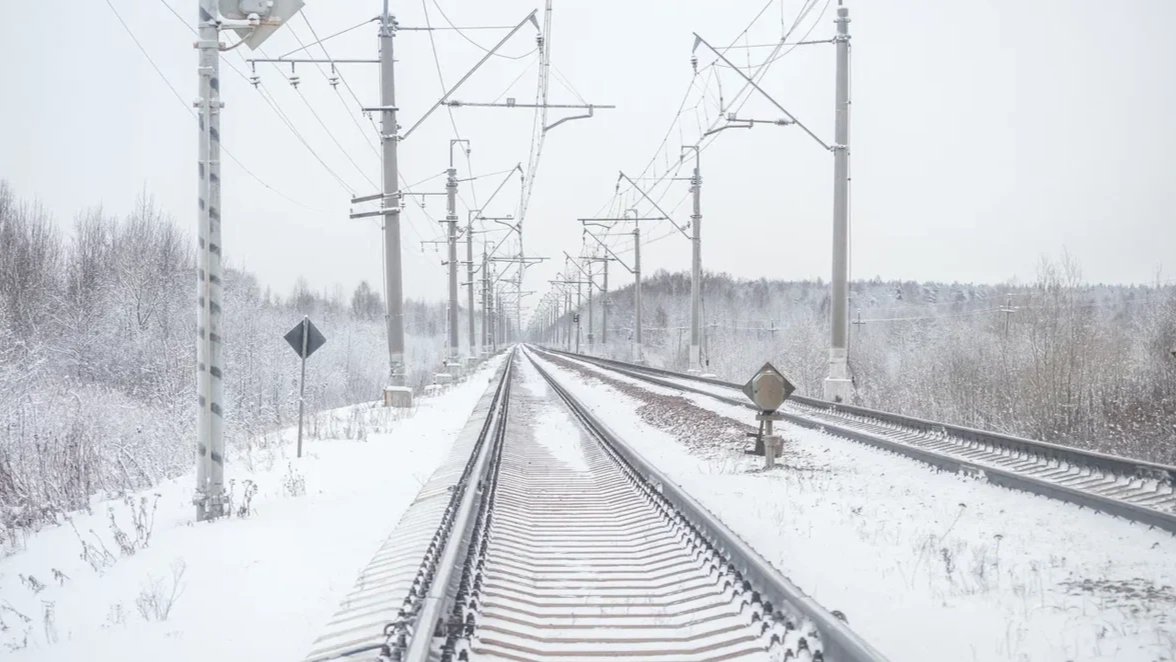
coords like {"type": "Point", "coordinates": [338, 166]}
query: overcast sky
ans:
{"type": "Point", "coordinates": [984, 134]}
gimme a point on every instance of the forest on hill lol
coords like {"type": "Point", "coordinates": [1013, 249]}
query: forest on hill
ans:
{"type": "Point", "coordinates": [1057, 359]}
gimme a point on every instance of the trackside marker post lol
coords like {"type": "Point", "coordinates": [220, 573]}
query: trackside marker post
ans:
{"type": "Point", "coordinates": [305, 338]}
{"type": "Point", "coordinates": [768, 388]}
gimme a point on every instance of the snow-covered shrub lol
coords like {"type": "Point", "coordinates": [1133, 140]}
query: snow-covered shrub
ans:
{"type": "Point", "coordinates": [158, 596]}
{"type": "Point", "coordinates": [1057, 359]}
{"type": "Point", "coordinates": [97, 388]}
{"type": "Point", "coordinates": [293, 482]}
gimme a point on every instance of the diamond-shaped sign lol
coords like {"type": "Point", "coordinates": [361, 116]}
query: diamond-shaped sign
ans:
{"type": "Point", "coordinates": [768, 388]}
{"type": "Point", "coordinates": [314, 339]}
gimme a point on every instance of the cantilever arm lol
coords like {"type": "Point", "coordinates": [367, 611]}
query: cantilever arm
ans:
{"type": "Point", "coordinates": [699, 40]}
{"type": "Point", "coordinates": [530, 17]}
{"type": "Point", "coordinates": [656, 206]}
{"type": "Point", "coordinates": [610, 252]}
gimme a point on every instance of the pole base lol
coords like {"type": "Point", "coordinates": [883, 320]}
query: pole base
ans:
{"type": "Point", "coordinates": [838, 390]}
{"type": "Point", "coordinates": [397, 396]}
{"type": "Point", "coordinates": [838, 385]}
{"type": "Point", "coordinates": [696, 367]}
{"type": "Point", "coordinates": [210, 506]}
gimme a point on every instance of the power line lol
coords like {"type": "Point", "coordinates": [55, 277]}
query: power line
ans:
{"type": "Point", "coordinates": [192, 113]}
{"type": "Point", "coordinates": [335, 140]}
{"type": "Point", "coordinates": [319, 42]}
{"type": "Point", "coordinates": [461, 31]}
{"type": "Point", "coordinates": [268, 98]}
{"type": "Point", "coordinates": [449, 109]}
{"type": "Point", "coordinates": [342, 79]}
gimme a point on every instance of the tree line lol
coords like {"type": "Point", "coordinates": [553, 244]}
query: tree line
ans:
{"type": "Point", "coordinates": [97, 355]}
{"type": "Point", "coordinates": [1056, 359]}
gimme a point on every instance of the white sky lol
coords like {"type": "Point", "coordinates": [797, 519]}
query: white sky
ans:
{"type": "Point", "coordinates": [984, 134]}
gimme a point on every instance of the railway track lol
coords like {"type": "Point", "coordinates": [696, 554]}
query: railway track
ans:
{"type": "Point", "coordinates": [561, 543]}
{"type": "Point", "coordinates": [1140, 491]}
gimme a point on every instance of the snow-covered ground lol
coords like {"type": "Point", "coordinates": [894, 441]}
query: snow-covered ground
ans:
{"type": "Point", "coordinates": [926, 565]}
{"type": "Point", "coordinates": [257, 587]}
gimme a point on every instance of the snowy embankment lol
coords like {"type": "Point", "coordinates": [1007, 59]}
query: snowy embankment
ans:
{"type": "Point", "coordinates": [926, 565]}
{"type": "Point", "coordinates": [253, 587]}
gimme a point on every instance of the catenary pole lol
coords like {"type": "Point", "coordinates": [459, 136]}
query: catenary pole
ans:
{"type": "Point", "coordinates": [475, 350]}
{"type": "Point", "coordinates": [210, 443]}
{"type": "Point", "coordinates": [638, 355]}
{"type": "Point", "coordinates": [591, 311]}
{"type": "Point", "coordinates": [838, 385]}
{"type": "Point", "coordinates": [451, 227]}
{"type": "Point", "coordinates": [390, 140]}
{"type": "Point", "coordinates": [696, 267]}
{"type": "Point", "coordinates": [604, 308]}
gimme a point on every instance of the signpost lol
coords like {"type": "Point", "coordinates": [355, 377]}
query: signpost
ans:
{"type": "Point", "coordinates": [305, 338]}
{"type": "Point", "coordinates": [768, 388]}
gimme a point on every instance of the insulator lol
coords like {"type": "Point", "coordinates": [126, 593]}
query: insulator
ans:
{"type": "Point", "coordinates": [694, 63]}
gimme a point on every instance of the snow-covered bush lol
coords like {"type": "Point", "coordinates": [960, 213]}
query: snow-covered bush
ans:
{"type": "Point", "coordinates": [158, 596]}
{"type": "Point", "coordinates": [97, 368]}
{"type": "Point", "coordinates": [1057, 359]}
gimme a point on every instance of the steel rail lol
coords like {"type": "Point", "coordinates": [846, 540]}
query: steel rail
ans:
{"type": "Point", "coordinates": [839, 643]}
{"type": "Point", "coordinates": [445, 558]}
{"type": "Point", "coordinates": [1140, 491]}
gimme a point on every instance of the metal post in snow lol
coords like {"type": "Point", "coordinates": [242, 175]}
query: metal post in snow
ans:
{"type": "Point", "coordinates": [639, 356]}
{"type": "Point", "coordinates": [604, 308]}
{"type": "Point", "coordinates": [210, 443]}
{"type": "Point", "coordinates": [591, 328]}
{"type": "Point", "coordinates": [474, 349]}
{"type": "Point", "coordinates": [302, 381]}
{"type": "Point", "coordinates": [390, 140]}
{"type": "Point", "coordinates": [838, 386]}
{"type": "Point", "coordinates": [451, 226]}
{"type": "Point", "coordinates": [579, 307]}
{"type": "Point", "coordinates": [485, 300]}
{"type": "Point", "coordinates": [696, 268]}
